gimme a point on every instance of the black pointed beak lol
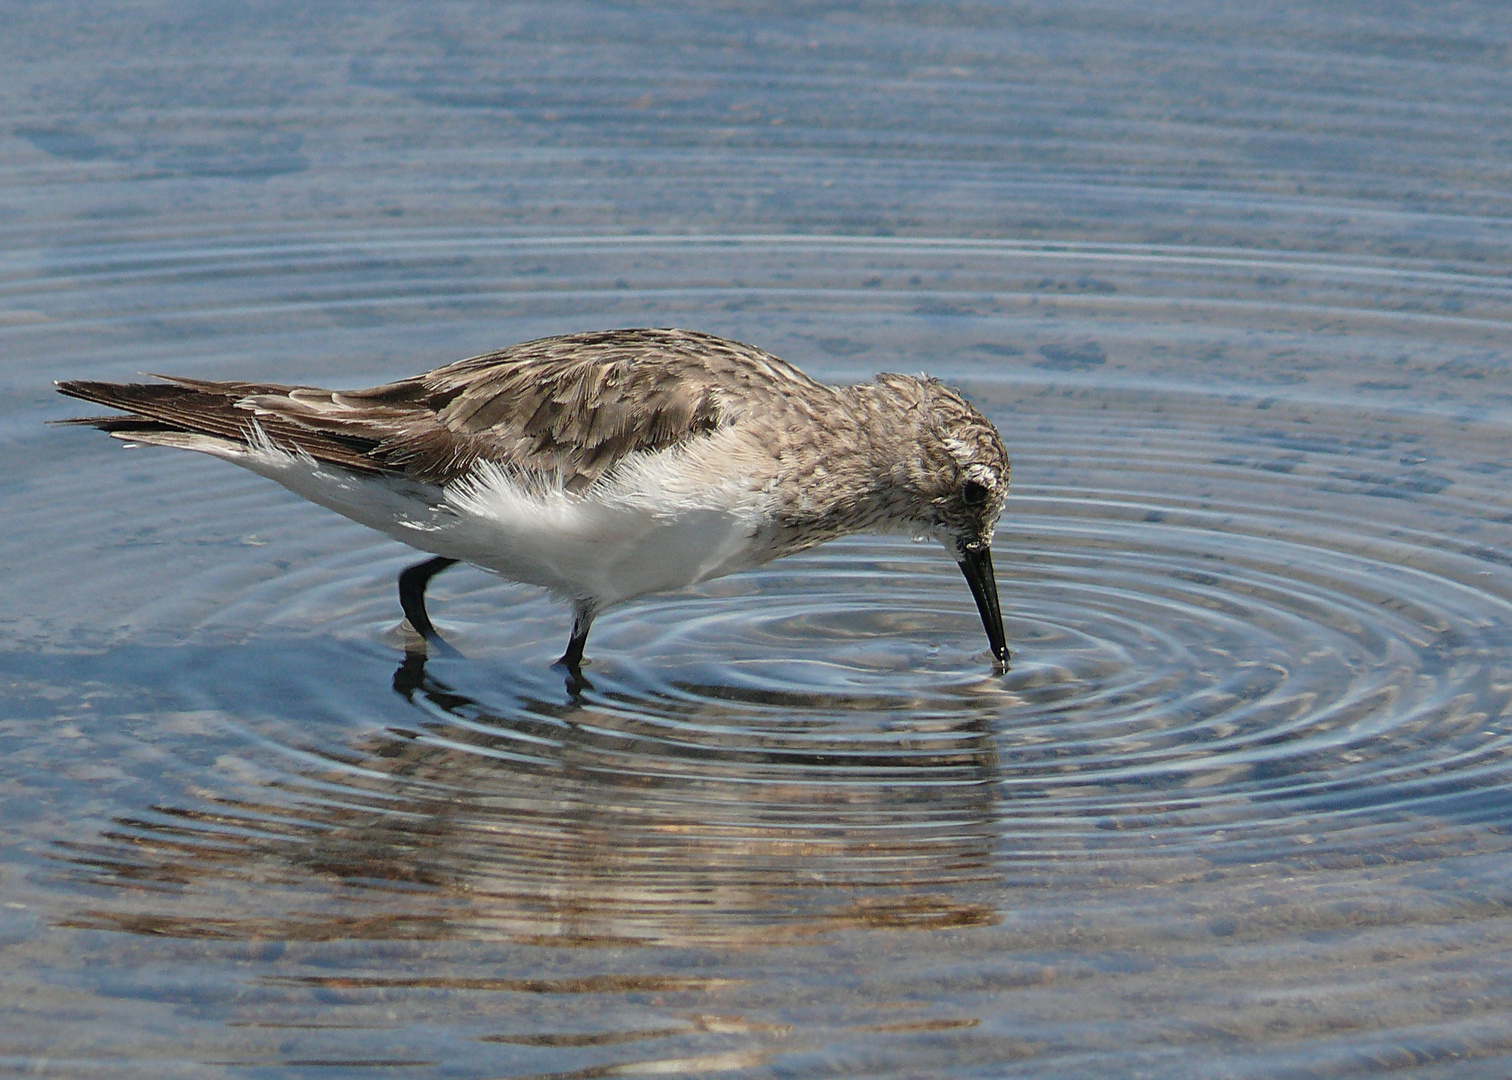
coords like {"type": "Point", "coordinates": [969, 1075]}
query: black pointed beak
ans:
{"type": "Point", "coordinates": [976, 564]}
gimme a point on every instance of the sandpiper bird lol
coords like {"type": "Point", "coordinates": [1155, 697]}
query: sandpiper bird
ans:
{"type": "Point", "coordinates": [604, 466]}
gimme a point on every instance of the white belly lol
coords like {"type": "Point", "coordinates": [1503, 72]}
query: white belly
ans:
{"type": "Point", "coordinates": [662, 524]}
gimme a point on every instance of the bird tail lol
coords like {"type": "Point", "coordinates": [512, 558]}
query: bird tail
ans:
{"type": "Point", "coordinates": [196, 414]}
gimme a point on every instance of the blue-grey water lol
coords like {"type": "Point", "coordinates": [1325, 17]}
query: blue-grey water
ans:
{"type": "Point", "coordinates": [1235, 281]}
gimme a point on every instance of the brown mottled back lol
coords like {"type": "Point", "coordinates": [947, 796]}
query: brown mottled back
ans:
{"type": "Point", "coordinates": [573, 406]}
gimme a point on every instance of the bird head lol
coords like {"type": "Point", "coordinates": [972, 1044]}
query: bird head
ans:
{"type": "Point", "coordinates": [958, 482]}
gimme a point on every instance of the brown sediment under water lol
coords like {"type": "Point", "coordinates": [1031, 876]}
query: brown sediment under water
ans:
{"type": "Point", "coordinates": [1237, 296]}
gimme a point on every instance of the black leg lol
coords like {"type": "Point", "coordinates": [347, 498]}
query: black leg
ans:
{"type": "Point", "coordinates": [582, 619]}
{"type": "Point", "coordinates": [412, 585]}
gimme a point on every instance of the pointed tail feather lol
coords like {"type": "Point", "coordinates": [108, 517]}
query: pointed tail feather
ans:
{"type": "Point", "coordinates": [196, 407]}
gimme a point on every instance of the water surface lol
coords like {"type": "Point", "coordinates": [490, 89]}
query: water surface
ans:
{"type": "Point", "coordinates": [1235, 286]}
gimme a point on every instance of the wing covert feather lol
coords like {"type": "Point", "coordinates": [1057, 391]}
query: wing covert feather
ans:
{"type": "Point", "coordinates": [570, 406]}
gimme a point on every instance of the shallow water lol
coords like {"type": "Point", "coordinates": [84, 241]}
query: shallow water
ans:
{"type": "Point", "coordinates": [1234, 285]}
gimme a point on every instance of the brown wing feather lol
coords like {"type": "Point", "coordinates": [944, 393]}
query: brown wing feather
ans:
{"type": "Point", "coordinates": [572, 406]}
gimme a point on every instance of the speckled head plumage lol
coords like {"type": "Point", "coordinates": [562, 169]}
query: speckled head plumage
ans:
{"type": "Point", "coordinates": [950, 463]}
{"type": "Point", "coordinates": [970, 479]}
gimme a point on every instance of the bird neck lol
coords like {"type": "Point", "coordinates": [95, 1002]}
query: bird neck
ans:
{"type": "Point", "coordinates": [859, 478]}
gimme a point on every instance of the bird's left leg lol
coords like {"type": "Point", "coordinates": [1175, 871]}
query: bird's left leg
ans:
{"type": "Point", "coordinates": [412, 583]}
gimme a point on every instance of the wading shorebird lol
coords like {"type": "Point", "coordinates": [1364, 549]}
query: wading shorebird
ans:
{"type": "Point", "coordinates": [604, 466]}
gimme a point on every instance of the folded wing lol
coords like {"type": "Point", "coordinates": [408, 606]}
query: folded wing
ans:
{"type": "Point", "coordinates": [570, 406]}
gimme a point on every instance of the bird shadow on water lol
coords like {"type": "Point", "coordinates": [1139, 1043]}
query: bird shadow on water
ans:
{"type": "Point", "coordinates": [610, 814]}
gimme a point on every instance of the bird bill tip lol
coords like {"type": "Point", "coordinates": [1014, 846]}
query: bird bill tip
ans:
{"type": "Point", "coordinates": [976, 566]}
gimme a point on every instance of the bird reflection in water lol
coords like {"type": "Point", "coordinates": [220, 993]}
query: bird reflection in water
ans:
{"type": "Point", "coordinates": [603, 817]}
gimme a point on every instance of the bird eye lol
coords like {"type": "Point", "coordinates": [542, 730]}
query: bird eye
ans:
{"type": "Point", "coordinates": [973, 493]}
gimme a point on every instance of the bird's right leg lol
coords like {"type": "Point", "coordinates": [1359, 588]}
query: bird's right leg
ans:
{"type": "Point", "coordinates": [412, 583]}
